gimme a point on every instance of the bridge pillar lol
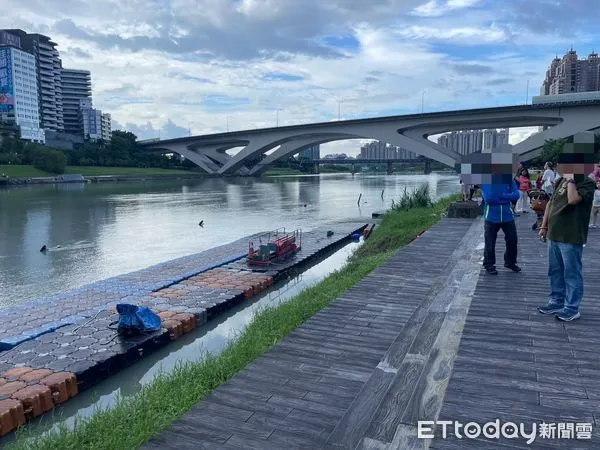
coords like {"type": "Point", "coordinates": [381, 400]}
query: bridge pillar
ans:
{"type": "Point", "coordinates": [315, 168]}
{"type": "Point", "coordinates": [427, 169]}
{"type": "Point", "coordinates": [352, 169]}
{"type": "Point", "coordinates": [390, 167]}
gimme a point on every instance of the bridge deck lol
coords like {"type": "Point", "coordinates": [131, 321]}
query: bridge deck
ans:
{"type": "Point", "coordinates": [411, 339]}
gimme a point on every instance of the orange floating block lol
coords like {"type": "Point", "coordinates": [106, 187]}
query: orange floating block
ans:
{"type": "Point", "coordinates": [3, 381]}
{"type": "Point", "coordinates": [63, 386]}
{"type": "Point", "coordinates": [36, 399]}
{"type": "Point", "coordinates": [16, 372]}
{"type": "Point", "coordinates": [174, 327]}
{"type": "Point", "coordinates": [166, 314]}
{"type": "Point", "coordinates": [11, 387]}
{"type": "Point", "coordinates": [12, 415]}
{"type": "Point", "coordinates": [35, 375]}
{"type": "Point", "coordinates": [188, 321]}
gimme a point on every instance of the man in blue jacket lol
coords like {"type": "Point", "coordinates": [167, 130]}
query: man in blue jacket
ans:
{"type": "Point", "coordinates": [498, 215]}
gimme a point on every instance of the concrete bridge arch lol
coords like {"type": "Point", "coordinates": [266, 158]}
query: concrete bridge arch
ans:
{"type": "Point", "coordinates": [410, 132]}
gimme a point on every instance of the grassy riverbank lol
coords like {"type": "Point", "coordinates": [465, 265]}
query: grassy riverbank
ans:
{"type": "Point", "coordinates": [278, 171]}
{"type": "Point", "coordinates": [22, 171]}
{"type": "Point", "coordinates": [135, 419]}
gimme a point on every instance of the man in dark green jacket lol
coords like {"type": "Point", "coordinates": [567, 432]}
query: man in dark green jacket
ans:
{"type": "Point", "coordinates": [565, 225]}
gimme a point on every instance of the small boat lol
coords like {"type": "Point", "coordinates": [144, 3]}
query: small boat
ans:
{"type": "Point", "coordinates": [274, 246]}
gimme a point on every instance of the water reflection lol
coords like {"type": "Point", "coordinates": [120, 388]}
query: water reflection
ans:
{"type": "Point", "coordinates": [99, 230]}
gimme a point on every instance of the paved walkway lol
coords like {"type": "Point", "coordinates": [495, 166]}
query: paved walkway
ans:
{"type": "Point", "coordinates": [425, 333]}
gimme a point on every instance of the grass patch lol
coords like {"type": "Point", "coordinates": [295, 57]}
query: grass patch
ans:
{"type": "Point", "coordinates": [277, 171]}
{"type": "Point", "coordinates": [31, 172]}
{"type": "Point", "coordinates": [135, 419]}
{"type": "Point", "coordinates": [418, 199]}
{"type": "Point", "coordinates": [22, 171]}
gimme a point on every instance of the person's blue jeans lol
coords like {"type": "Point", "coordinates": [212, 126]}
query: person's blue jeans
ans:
{"type": "Point", "coordinates": [565, 271]}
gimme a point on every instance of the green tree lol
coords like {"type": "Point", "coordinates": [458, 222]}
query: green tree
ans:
{"type": "Point", "coordinates": [53, 161]}
{"type": "Point", "coordinates": [550, 152]}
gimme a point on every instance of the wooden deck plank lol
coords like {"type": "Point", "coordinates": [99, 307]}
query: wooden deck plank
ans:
{"type": "Point", "coordinates": [415, 342]}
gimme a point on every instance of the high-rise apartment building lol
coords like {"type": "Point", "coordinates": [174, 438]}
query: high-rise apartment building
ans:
{"type": "Point", "coordinates": [384, 151]}
{"type": "Point", "coordinates": [76, 86]}
{"type": "Point", "coordinates": [91, 120]}
{"type": "Point", "coordinates": [494, 138]}
{"type": "Point", "coordinates": [570, 74]}
{"type": "Point", "coordinates": [48, 77]}
{"type": "Point", "coordinates": [106, 128]}
{"type": "Point", "coordinates": [473, 141]}
{"type": "Point", "coordinates": [313, 152]}
{"type": "Point", "coordinates": [18, 89]}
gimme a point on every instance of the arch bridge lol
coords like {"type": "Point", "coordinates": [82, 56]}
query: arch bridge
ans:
{"type": "Point", "coordinates": [411, 132]}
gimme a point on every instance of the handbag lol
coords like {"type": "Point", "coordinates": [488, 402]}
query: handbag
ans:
{"type": "Point", "coordinates": [539, 205]}
{"type": "Point", "coordinates": [539, 200]}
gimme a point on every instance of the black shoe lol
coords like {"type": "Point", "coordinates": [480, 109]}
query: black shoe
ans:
{"type": "Point", "coordinates": [491, 271]}
{"type": "Point", "coordinates": [534, 226]}
{"type": "Point", "coordinates": [513, 267]}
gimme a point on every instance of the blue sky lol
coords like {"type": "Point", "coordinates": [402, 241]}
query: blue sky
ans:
{"type": "Point", "coordinates": [168, 66]}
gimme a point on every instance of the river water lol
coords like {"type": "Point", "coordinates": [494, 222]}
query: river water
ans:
{"type": "Point", "coordinates": [95, 231]}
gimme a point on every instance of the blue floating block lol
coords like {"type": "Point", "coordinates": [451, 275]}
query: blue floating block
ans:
{"type": "Point", "coordinates": [35, 331]}
{"type": "Point", "coordinates": [69, 320]}
{"type": "Point", "coordinates": [12, 341]}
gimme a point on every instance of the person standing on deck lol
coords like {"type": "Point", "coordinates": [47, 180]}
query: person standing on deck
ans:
{"type": "Point", "coordinates": [524, 182]}
{"type": "Point", "coordinates": [595, 206]}
{"type": "Point", "coordinates": [549, 178]}
{"type": "Point", "coordinates": [497, 215]}
{"type": "Point", "coordinates": [565, 225]}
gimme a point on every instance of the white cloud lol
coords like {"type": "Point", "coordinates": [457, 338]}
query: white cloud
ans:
{"type": "Point", "coordinates": [434, 8]}
{"type": "Point", "coordinates": [464, 35]}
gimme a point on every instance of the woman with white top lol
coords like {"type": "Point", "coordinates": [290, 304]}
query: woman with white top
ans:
{"type": "Point", "coordinates": [549, 178]}
{"type": "Point", "coordinates": [595, 207]}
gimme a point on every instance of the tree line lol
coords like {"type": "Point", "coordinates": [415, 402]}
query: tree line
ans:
{"type": "Point", "coordinates": [121, 151]}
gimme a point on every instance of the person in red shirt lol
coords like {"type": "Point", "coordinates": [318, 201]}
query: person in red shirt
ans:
{"type": "Point", "coordinates": [524, 182]}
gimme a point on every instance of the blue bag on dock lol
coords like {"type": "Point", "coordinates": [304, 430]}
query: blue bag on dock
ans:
{"type": "Point", "coordinates": [135, 320]}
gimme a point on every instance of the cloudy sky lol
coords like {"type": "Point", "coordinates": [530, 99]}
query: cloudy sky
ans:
{"type": "Point", "coordinates": [164, 67]}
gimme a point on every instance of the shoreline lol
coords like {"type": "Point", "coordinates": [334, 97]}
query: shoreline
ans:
{"type": "Point", "coordinates": [58, 179]}
{"type": "Point", "coordinates": [21, 181]}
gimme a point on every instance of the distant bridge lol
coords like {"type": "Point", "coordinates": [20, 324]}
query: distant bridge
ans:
{"type": "Point", "coordinates": [408, 131]}
{"type": "Point", "coordinates": [359, 161]}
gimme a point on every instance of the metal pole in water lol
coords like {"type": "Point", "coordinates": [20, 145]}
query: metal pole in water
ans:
{"type": "Point", "coordinates": [382, 193]}
{"type": "Point", "coordinates": [359, 197]}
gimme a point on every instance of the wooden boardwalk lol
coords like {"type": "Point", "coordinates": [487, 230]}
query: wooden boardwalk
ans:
{"type": "Point", "coordinates": [517, 365]}
{"type": "Point", "coordinates": [396, 349]}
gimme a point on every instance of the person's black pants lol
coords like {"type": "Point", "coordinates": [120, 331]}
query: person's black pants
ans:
{"type": "Point", "coordinates": [510, 236]}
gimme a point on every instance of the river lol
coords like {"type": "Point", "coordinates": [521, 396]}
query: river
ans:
{"type": "Point", "coordinates": [95, 231]}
